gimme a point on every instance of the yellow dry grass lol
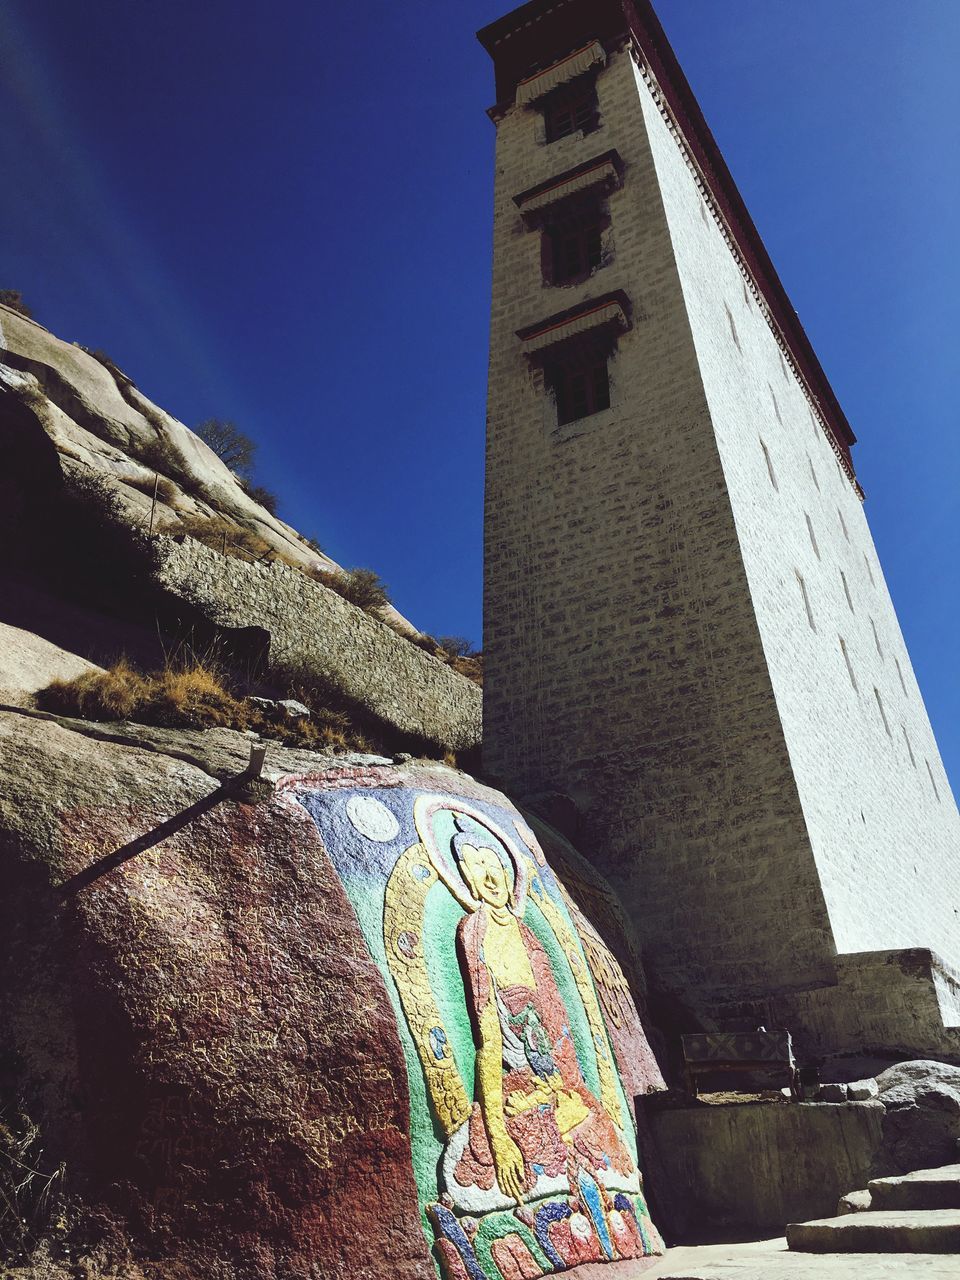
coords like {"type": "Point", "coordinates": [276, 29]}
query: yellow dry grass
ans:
{"type": "Point", "coordinates": [221, 535]}
{"type": "Point", "coordinates": [194, 696]}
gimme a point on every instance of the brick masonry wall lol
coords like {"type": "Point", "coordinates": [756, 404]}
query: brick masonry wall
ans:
{"type": "Point", "coordinates": [624, 663]}
{"type": "Point", "coordinates": [881, 817]}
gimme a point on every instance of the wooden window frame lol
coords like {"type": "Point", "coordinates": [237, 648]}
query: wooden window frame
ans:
{"type": "Point", "coordinates": [571, 247]}
{"type": "Point", "coordinates": [572, 108]}
{"type": "Point", "coordinates": [580, 385]}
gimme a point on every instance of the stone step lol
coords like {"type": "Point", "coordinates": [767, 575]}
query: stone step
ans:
{"type": "Point", "coordinates": [924, 1189]}
{"type": "Point", "coordinates": [890, 1231]}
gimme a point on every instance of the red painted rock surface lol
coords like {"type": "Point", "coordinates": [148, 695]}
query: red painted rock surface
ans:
{"type": "Point", "coordinates": [193, 1020]}
{"type": "Point", "coordinates": [195, 1025]}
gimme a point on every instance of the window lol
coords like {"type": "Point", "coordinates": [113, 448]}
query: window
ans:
{"type": "Point", "coordinates": [770, 471]}
{"type": "Point", "coordinates": [806, 602]}
{"type": "Point", "coordinates": [572, 109]}
{"type": "Point", "coordinates": [883, 716]}
{"type": "Point", "coordinates": [900, 674]}
{"type": "Point", "coordinates": [846, 591]}
{"type": "Point", "coordinates": [573, 244]}
{"type": "Point", "coordinates": [876, 637]}
{"type": "Point", "coordinates": [932, 780]}
{"type": "Point", "coordinates": [733, 328]}
{"type": "Point", "coordinates": [581, 389]}
{"type": "Point", "coordinates": [813, 536]}
{"type": "Point", "coordinates": [846, 658]}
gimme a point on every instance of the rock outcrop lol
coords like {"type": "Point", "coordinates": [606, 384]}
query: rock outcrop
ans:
{"type": "Point", "coordinates": [98, 568]}
{"type": "Point", "coordinates": [309, 628]}
{"type": "Point", "coordinates": [95, 417]}
{"type": "Point", "coordinates": [921, 1126]}
{"type": "Point", "coordinates": [240, 1015]}
{"type": "Point", "coordinates": [28, 663]}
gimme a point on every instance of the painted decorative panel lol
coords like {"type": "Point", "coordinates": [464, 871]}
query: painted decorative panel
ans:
{"type": "Point", "coordinates": [515, 1021]}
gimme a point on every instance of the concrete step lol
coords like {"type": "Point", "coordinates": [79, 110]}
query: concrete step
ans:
{"type": "Point", "coordinates": [892, 1231]}
{"type": "Point", "coordinates": [924, 1189]}
{"type": "Point", "coordinates": [854, 1202]}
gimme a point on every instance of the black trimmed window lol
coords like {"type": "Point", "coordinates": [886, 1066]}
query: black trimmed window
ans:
{"type": "Point", "coordinates": [573, 108]}
{"type": "Point", "coordinates": [581, 387]}
{"type": "Point", "coordinates": [575, 246]}
{"type": "Point", "coordinates": [572, 245]}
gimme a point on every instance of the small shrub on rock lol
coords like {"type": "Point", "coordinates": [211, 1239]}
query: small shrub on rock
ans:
{"type": "Point", "coordinates": [471, 667]}
{"type": "Point", "coordinates": [454, 651]}
{"type": "Point", "coordinates": [457, 646]}
{"type": "Point", "coordinates": [268, 500]}
{"type": "Point", "coordinates": [192, 696]}
{"type": "Point", "coordinates": [31, 1190]}
{"type": "Point", "coordinates": [160, 456]}
{"type": "Point", "coordinates": [96, 695]}
{"type": "Point", "coordinates": [362, 587]}
{"type": "Point", "coordinates": [95, 540]}
{"type": "Point", "coordinates": [229, 444]}
{"type": "Point", "coordinates": [13, 299]}
{"type": "Point", "coordinates": [110, 365]}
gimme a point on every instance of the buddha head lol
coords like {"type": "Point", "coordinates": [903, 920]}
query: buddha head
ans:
{"type": "Point", "coordinates": [481, 867]}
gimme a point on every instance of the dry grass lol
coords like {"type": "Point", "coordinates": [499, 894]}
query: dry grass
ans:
{"type": "Point", "coordinates": [471, 667]}
{"type": "Point", "coordinates": [192, 696]}
{"type": "Point", "coordinates": [159, 455]}
{"type": "Point", "coordinates": [220, 535]}
{"type": "Point", "coordinates": [166, 489]}
{"type": "Point", "coordinates": [30, 1190]}
{"type": "Point", "coordinates": [468, 664]}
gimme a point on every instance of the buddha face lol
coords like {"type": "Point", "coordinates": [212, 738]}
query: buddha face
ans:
{"type": "Point", "coordinates": [485, 875]}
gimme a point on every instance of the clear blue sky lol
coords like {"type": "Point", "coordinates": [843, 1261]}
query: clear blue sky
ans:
{"type": "Point", "coordinates": [279, 213]}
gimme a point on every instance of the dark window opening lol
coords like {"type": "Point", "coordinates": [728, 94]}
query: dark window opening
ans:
{"type": "Point", "coordinates": [581, 389]}
{"type": "Point", "coordinates": [575, 249]}
{"type": "Point", "coordinates": [571, 109]}
{"type": "Point", "coordinates": [572, 245]}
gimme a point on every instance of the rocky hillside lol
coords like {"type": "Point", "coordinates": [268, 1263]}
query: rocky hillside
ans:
{"type": "Point", "coordinates": [132, 539]}
{"type": "Point", "coordinates": [100, 424]}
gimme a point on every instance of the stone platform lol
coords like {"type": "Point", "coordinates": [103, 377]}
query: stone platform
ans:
{"type": "Point", "coordinates": [771, 1260]}
{"type": "Point", "coordinates": [749, 1169]}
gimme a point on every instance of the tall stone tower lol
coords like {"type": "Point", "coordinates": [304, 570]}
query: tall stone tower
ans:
{"type": "Point", "coordinates": [687, 629]}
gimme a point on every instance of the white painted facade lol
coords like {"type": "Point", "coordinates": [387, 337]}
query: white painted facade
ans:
{"type": "Point", "coordinates": [662, 639]}
{"type": "Point", "coordinates": [880, 813]}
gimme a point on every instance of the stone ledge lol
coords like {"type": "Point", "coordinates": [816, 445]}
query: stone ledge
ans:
{"type": "Point", "coordinates": [313, 628]}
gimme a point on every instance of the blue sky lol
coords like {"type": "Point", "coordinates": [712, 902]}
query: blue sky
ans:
{"type": "Point", "coordinates": [280, 214]}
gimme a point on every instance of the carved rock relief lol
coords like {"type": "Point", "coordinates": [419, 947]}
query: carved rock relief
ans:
{"type": "Point", "coordinates": [517, 1025]}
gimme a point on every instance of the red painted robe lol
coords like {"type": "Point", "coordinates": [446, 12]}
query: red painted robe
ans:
{"type": "Point", "coordinates": [536, 1028]}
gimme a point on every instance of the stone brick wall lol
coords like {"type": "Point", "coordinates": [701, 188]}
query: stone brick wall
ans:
{"type": "Point", "coordinates": [312, 627]}
{"type": "Point", "coordinates": [881, 818]}
{"type": "Point", "coordinates": [623, 660]}
{"type": "Point", "coordinates": [647, 643]}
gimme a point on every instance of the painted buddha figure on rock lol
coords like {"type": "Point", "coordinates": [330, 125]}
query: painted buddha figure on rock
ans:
{"type": "Point", "coordinates": [535, 1126]}
{"type": "Point", "coordinates": [526, 1143]}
